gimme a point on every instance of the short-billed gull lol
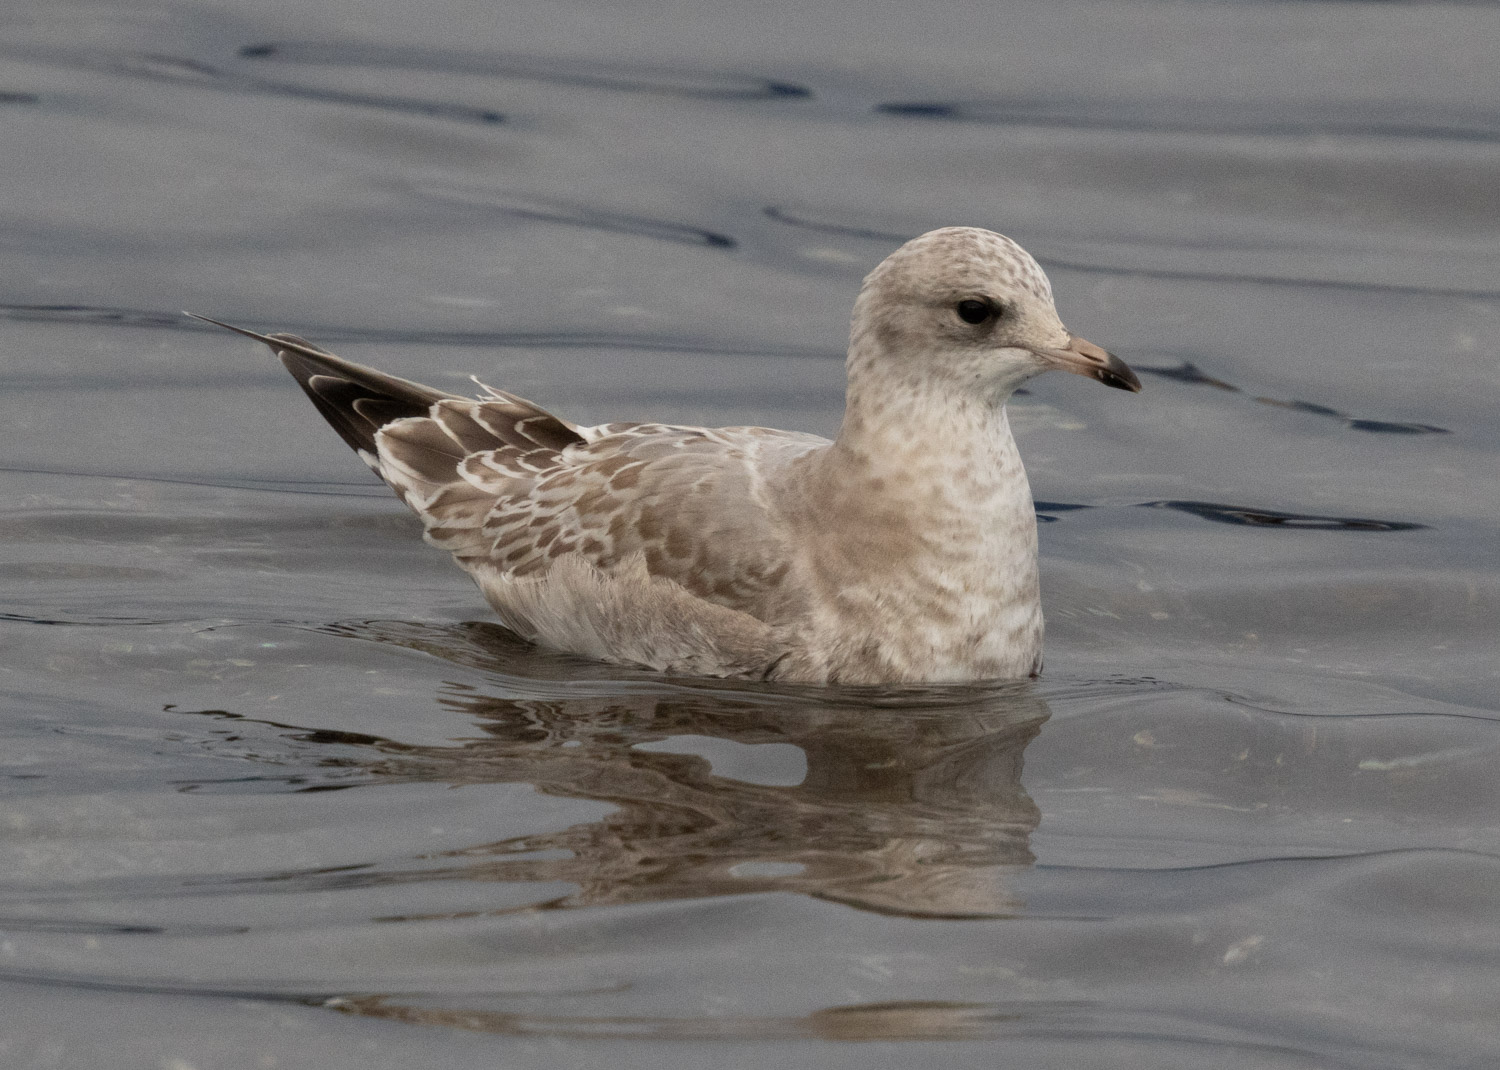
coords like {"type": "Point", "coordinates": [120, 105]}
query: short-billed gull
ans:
{"type": "Point", "coordinates": [904, 551]}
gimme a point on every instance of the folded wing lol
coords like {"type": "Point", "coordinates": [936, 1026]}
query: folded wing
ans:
{"type": "Point", "coordinates": [619, 541]}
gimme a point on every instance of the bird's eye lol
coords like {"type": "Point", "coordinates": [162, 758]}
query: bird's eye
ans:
{"type": "Point", "coordinates": [975, 312]}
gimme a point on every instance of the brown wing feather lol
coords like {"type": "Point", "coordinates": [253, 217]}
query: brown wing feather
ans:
{"type": "Point", "coordinates": [674, 497]}
{"type": "Point", "coordinates": [509, 488]}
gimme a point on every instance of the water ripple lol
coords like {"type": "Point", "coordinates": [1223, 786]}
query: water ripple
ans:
{"type": "Point", "coordinates": [1227, 119]}
{"type": "Point", "coordinates": [1239, 514]}
{"type": "Point", "coordinates": [192, 72]}
{"type": "Point", "coordinates": [110, 316]}
{"type": "Point", "coordinates": [595, 74]}
{"type": "Point", "coordinates": [1188, 372]}
{"type": "Point", "coordinates": [573, 215]}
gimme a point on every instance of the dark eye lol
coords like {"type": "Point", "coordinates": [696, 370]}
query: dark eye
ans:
{"type": "Point", "coordinates": [975, 312]}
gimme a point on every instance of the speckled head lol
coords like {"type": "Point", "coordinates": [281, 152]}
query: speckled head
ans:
{"type": "Point", "coordinates": [962, 258]}
{"type": "Point", "coordinates": [970, 308]}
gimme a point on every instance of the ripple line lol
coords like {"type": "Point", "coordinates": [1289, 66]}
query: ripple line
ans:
{"type": "Point", "coordinates": [576, 216]}
{"type": "Point", "coordinates": [1238, 514]}
{"type": "Point", "coordinates": [270, 486]}
{"type": "Point", "coordinates": [1207, 117]}
{"type": "Point", "coordinates": [591, 75]}
{"type": "Point", "coordinates": [191, 72]}
{"type": "Point", "coordinates": [104, 315]}
{"type": "Point", "coordinates": [1269, 860]}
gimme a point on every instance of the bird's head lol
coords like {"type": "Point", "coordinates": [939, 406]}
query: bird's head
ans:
{"type": "Point", "coordinates": [970, 308]}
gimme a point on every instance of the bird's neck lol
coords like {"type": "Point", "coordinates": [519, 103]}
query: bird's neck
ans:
{"type": "Point", "coordinates": [929, 466]}
{"type": "Point", "coordinates": [925, 533]}
{"type": "Point", "coordinates": [930, 432]}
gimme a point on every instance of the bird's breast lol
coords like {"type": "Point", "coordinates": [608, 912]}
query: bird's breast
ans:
{"type": "Point", "coordinates": [939, 585]}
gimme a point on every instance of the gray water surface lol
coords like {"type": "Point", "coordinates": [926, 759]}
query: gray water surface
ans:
{"type": "Point", "coordinates": [276, 792]}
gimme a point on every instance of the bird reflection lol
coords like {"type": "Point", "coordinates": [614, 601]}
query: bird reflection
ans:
{"type": "Point", "coordinates": [911, 802]}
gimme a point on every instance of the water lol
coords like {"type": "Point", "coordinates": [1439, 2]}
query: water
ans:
{"type": "Point", "coordinates": [276, 795]}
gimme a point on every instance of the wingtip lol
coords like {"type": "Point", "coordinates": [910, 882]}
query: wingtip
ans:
{"type": "Point", "coordinates": [276, 344]}
{"type": "Point", "coordinates": [232, 327]}
{"type": "Point", "coordinates": [205, 319]}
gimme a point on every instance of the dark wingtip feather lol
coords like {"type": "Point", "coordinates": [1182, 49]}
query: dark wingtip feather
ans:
{"type": "Point", "coordinates": [355, 400]}
{"type": "Point", "coordinates": [358, 402]}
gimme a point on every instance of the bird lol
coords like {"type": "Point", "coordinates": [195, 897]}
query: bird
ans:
{"type": "Point", "coordinates": [903, 551]}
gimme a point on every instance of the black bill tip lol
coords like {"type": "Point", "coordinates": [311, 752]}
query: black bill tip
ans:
{"type": "Point", "coordinates": [1118, 375]}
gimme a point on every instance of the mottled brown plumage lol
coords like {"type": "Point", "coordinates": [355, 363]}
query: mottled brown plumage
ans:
{"type": "Point", "coordinates": [903, 551]}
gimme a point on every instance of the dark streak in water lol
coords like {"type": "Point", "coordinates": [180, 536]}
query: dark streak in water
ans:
{"type": "Point", "coordinates": [286, 994]}
{"type": "Point", "coordinates": [782, 215]}
{"type": "Point", "coordinates": [293, 784]}
{"type": "Point", "coordinates": [1188, 372]}
{"type": "Point", "coordinates": [175, 69]}
{"type": "Point", "coordinates": [1301, 406]}
{"type": "Point", "coordinates": [95, 622]}
{"type": "Point", "coordinates": [1238, 514]}
{"type": "Point", "coordinates": [593, 75]}
{"type": "Point", "coordinates": [45, 925]}
{"type": "Point", "coordinates": [1044, 510]}
{"type": "Point", "coordinates": [578, 216]}
{"type": "Point", "coordinates": [80, 926]}
{"type": "Point", "coordinates": [96, 984]}
{"type": "Point", "coordinates": [1227, 119]}
{"type": "Point", "coordinates": [1275, 860]}
{"type": "Point", "coordinates": [1384, 427]}
{"type": "Point", "coordinates": [1244, 515]}
{"type": "Point", "coordinates": [103, 315]}
{"type": "Point", "coordinates": [94, 315]}
{"type": "Point", "coordinates": [328, 488]}
{"type": "Point", "coordinates": [18, 98]}
{"type": "Point", "coordinates": [433, 109]}
{"type": "Point", "coordinates": [1421, 715]}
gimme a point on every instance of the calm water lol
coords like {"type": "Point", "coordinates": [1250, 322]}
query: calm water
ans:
{"type": "Point", "coordinates": [274, 794]}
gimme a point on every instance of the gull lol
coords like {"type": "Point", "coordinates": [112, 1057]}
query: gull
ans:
{"type": "Point", "coordinates": [903, 551]}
